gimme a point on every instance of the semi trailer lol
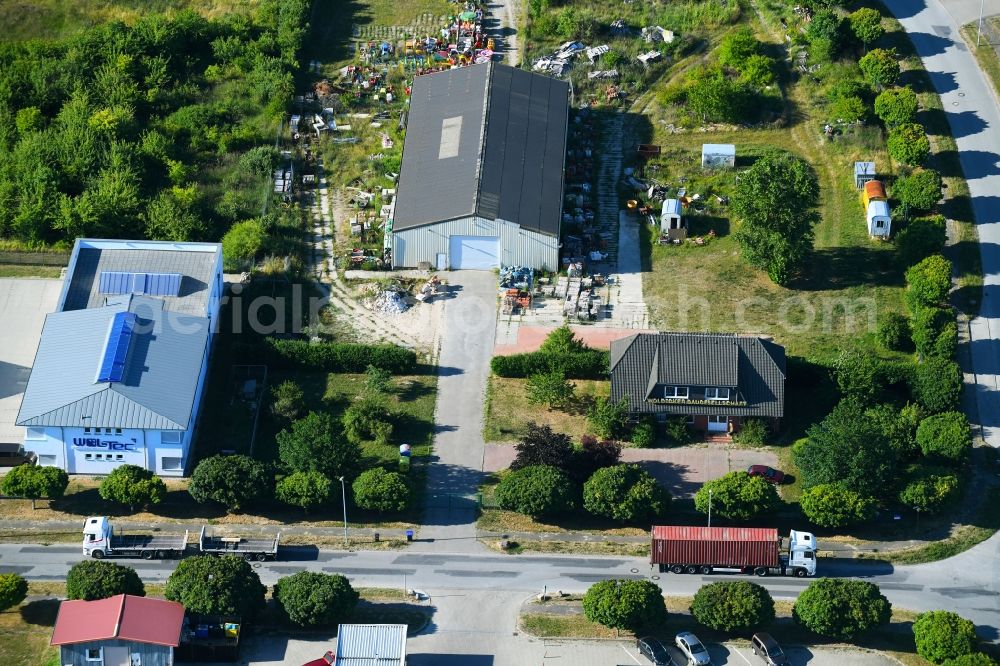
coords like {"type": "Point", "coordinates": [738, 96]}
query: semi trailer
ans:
{"type": "Point", "coordinates": [248, 549]}
{"type": "Point", "coordinates": [100, 540]}
{"type": "Point", "coordinates": [756, 550]}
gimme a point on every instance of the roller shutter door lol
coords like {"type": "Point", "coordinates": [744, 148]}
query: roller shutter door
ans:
{"type": "Point", "coordinates": [474, 252]}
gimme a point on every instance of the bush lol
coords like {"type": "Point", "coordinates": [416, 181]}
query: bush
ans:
{"type": "Point", "coordinates": [550, 388]}
{"type": "Point", "coordinates": [232, 481]}
{"type": "Point", "coordinates": [881, 68]}
{"type": "Point", "coordinates": [908, 144]}
{"type": "Point", "coordinates": [594, 454]}
{"type": "Point", "coordinates": [737, 495]}
{"type": "Point", "coordinates": [311, 599]}
{"type": "Point", "coordinates": [365, 420]}
{"type": "Point", "coordinates": [378, 490]}
{"type": "Point", "coordinates": [934, 331]}
{"type": "Point", "coordinates": [340, 357]}
{"type": "Point", "coordinates": [921, 238]}
{"type": "Point", "coordinates": [378, 381]}
{"type": "Point", "coordinates": [826, 26]}
{"type": "Point", "coordinates": [98, 579]}
{"type": "Point", "coordinates": [242, 243]}
{"type": "Point", "coordinates": [945, 436]}
{"type": "Point", "coordinates": [929, 494]}
{"type": "Point", "coordinates": [34, 482]}
{"type": "Point", "coordinates": [831, 505]}
{"type": "Point", "coordinates": [587, 364]}
{"type": "Point", "coordinates": [539, 490]}
{"type": "Point", "coordinates": [928, 282]}
{"type": "Point", "coordinates": [896, 106]}
{"type": "Point", "coordinates": [937, 384]}
{"type": "Point", "coordinates": [624, 604]}
{"type": "Point", "coordinates": [841, 609]}
{"type": "Point", "coordinates": [943, 635]}
{"type": "Point", "coordinates": [733, 606]}
{"type": "Point", "coordinates": [920, 190]}
{"type": "Point", "coordinates": [971, 659]}
{"type": "Point", "coordinates": [625, 493]}
{"type": "Point", "coordinates": [752, 432]}
{"type": "Point", "coordinates": [314, 444]}
{"type": "Point", "coordinates": [677, 432]}
{"type": "Point", "coordinates": [132, 486]}
{"type": "Point", "coordinates": [540, 445]}
{"type": "Point", "coordinates": [209, 585]}
{"type": "Point", "coordinates": [866, 24]}
{"type": "Point", "coordinates": [893, 333]}
{"type": "Point", "coordinates": [644, 435]}
{"type": "Point", "coordinates": [609, 419]}
{"type": "Point", "coordinates": [13, 590]}
{"type": "Point", "coordinates": [737, 47]}
{"type": "Point", "coordinates": [304, 489]}
{"type": "Point", "coordinates": [287, 399]}
{"type": "Point", "coordinates": [898, 427]}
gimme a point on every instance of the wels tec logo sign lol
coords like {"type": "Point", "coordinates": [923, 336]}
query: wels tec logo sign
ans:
{"type": "Point", "coordinates": [98, 443]}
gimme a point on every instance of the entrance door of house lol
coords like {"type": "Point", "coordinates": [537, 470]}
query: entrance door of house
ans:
{"type": "Point", "coordinates": [116, 656]}
{"type": "Point", "coordinates": [718, 423]}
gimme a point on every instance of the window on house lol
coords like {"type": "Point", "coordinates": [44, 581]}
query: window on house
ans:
{"type": "Point", "coordinates": [107, 431]}
{"type": "Point", "coordinates": [35, 433]}
{"type": "Point", "coordinates": [690, 419]}
{"type": "Point", "coordinates": [170, 464]}
{"type": "Point", "coordinates": [661, 417]}
{"type": "Point", "coordinates": [170, 437]}
{"type": "Point", "coordinates": [118, 431]}
{"type": "Point", "coordinates": [47, 461]}
{"type": "Point", "coordinates": [879, 224]}
{"type": "Point", "coordinates": [675, 392]}
{"type": "Point", "coordinates": [88, 456]}
{"type": "Point", "coordinates": [94, 654]}
{"type": "Point", "coordinates": [718, 419]}
{"type": "Point", "coordinates": [98, 456]}
{"type": "Point", "coordinates": [716, 394]}
{"type": "Point", "coordinates": [119, 456]}
{"type": "Point", "coordinates": [86, 431]}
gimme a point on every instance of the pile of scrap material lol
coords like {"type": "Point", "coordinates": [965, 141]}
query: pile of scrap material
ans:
{"type": "Point", "coordinates": [390, 301]}
{"type": "Point", "coordinates": [558, 62]}
{"type": "Point", "coordinates": [516, 277]}
{"type": "Point", "coordinates": [429, 289]}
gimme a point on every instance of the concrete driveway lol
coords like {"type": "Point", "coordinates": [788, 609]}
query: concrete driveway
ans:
{"type": "Point", "coordinates": [23, 306]}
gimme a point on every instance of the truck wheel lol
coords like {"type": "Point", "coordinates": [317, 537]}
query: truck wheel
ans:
{"type": "Point", "coordinates": [98, 554]}
{"type": "Point", "coordinates": [147, 554]}
{"type": "Point", "coordinates": [760, 571]}
{"type": "Point", "coordinates": [248, 557]}
{"type": "Point", "coordinates": [800, 573]}
{"type": "Point", "coordinates": [677, 569]}
{"type": "Point", "coordinates": [691, 569]}
{"type": "Point", "coordinates": [261, 557]}
{"type": "Point", "coordinates": [706, 570]}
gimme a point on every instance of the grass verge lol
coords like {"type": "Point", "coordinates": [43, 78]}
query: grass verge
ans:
{"type": "Point", "coordinates": [575, 547]}
{"type": "Point", "coordinates": [508, 410]}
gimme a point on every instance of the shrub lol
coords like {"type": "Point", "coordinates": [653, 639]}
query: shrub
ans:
{"type": "Point", "coordinates": [378, 381]}
{"type": "Point", "coordinates": [232, 481]}
{"type": "Point", "coordinates": [304, 489]}
{"type": "Point", "coordinates": [677, 432]}
{"type": "Point", "coordinates": [242, 243]}
{"type": "Point", "coordinates": [34, 482]}
{"type": "Point", "coordinates": [13, 590]}
{"type": "Point", "coordinates": [893, 333]}
{"type": "Point", "coordinates": [738, 46]}
{"type": "Point", "coordinates": [609, 419]}
{"type": "Point", "coordinates": [908, 144]}
{"type": "Point", "coordinates": [945, 436]}
{"type": "Point", "coordinates": [929, 494]}
{"type": "Point", "coordinates": [942, 635]}
{"type": "Point", "coordinates": [365, 420]}
{"type": "Point", "coordinates": [378, 490]}
{"type": "Point", "coordinates": [920, 190]}
{"type": "Point", "coordinates": [928, 282]}
{"type": "Point", "coordinates": [898, 426]}
{"type": "Point", "coordinates": [132, 486]}
{"type": "Point", "coordinates": [937, 384]}
{"type": "Point", "coordinates": [538, 490]}
{"type": "Point", "coordinates": [209, 585]}
{"type": "Point", "coordinates": [340, 357]}
{"type": "Point", "coordinates": [752, 432]}
{"type": "Point", "coordinates": [934, 331]}
{"type": "Point", "coordinates": [540, 445]}
{"type": "Point", "coordinates": [97, 579]}
{"type": "Point", "coordinates": [737, 495]}
{"type": "Point", "coordinates": [562, 340]}
{"type": "Point", "coordinates": [841, 609]}
{"type": "Point", "coordinates": [921, 238]}
{"type": "Point", "coordinates": [625, 493]}
{"type": "Point", "coordinates": [624, 604]}
{"type": "Point", "coordinates": [848, 109]}
{"type": "Point", "coordinates": [314, 444]}
{"type": "Point", "coordinates": [971, 659]}
{"type": "Point", "coordinates": [880, 67]}
{"type": "Point", "coordinates": [733, 606]}
{"type": "Point", "coordinates": [594, 454]}
{"type": "Point", "coordinates": [287, 399]}
{"type": "Point", "coordinates": [311, 599]}
{"type": "Point", "coordinates": [896, 106]}
{"type": "Point", "coordinates": [587, 364]}
{"type": "Point", "coordinates": [550, 388]}
{"type": "Point", "coordinates": [866, 24]}
{"type": "Point", "coordinates": [644, 435]}
{"type": "Point", "coordinates": [831, 505]}
{"type": "Point", "coordinates": [859, 375]}
{"type": "Point", "coordinates": [826, 26]}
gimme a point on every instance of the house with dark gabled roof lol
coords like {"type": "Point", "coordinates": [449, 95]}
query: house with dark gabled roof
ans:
{"type": "Point", "coordinates": [714, 380]}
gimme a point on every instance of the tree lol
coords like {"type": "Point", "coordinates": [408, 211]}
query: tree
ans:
{"type": "Point", "coordinates": [304, 489]}
{"type": "Point", "coordinates": [100, 579]}
{"type": "Point", "coordinates": [971, 659]}
{"type": "Point", "coordinates": [921, 238]}
{"type": "Point", "coordinates": [737, 47]}
{"type": "Point", "coordinates": [173, 215]}
{"type": "Point", "coordinates": [13, 590]}
{"type": "Point", "coordinates": [937, 384]}
{"type": "Point", "coordinates": [313, 444]}
{"type": "Point", "coordinates": [908, 144]}
{"type": "Point", "coordinates": [848, 109]}
{"type": "Point", "coordinates": [842, 609]}
{"type": "Point", "coordinates": [562, 340]}
{"type": "Point", "coordinates": [758, 71]}
{"type": "Point", "coordinates": [737, 495]}
{"type": "Point", "coordinates": [832, 505]}
{"type": "Point", "coordinates": [365, 419]}
{"type": "Point", "coordinates": [945, 436]}
{"type": "Point", "coordinates": [626, 493]}
{"type": "Point", "coordinates": [286, 400]}
{"type": "Point", "coordinates": [232, 481]}
{"type": "Point", "coordinates": [896, 106]}
{"type": "Point", "coordinates": [920, 190]}
{"type": "Point", "coordinates": [716, 98]}
{"type": "Point", "coordinates": [594, 454]}
{"type": "Point", "coordinates": [826, 26]}
{"type": "Point", "coordinates": [930, 493]}
{"type": "Point", "coordinates": [311, 599]}
{"type": "Point", "coordinates": [928, 282]}
{"type": "Point", "coordinates": [242, 243]}
{"type": "Point", "coordinates": [133, 486]}
{"type": "Point", "coordinates": [609, 419]}
{"type": "Point", "coordinates": [624, 604]}
{"type": "Point", "coordinates": [934, 331]}
{"type": "Point", "coordinates": [866, 24]}
{"type": "Point", "coordinates": [942, 635]}
{"type": "Point", "coordinates": [538, 490]}
{"type": "Point", "coordinates": [34, 482]}
{"type": "Point", "coordinates": [550, 388]}
{"type": "Point", "coordinates": [898, 427]}
{"type": "Point", "coordinates": [848, 448]}
{"type": "Point", "coordinates": [859, 375]}
{"type": "Point", "coordinates": [776, 220]}
{"type": "Point", "coordinates": [880, 67]}
{"type": "Point", "coordinates": [378, 490]}
{"type": "Point", "coordinates": [209, 585]}
{"type": "Point", "coordinates": [733, 606]}
{"type": "Point", "coordinates": [893, 333]}
{"type": "Point", "coordinates": [540, 445]}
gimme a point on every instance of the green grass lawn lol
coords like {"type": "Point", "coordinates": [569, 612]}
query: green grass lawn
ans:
{"type": "Point", "coordinates": [508, 410]}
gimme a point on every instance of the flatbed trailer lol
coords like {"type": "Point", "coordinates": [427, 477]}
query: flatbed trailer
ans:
{"type": "Point", "coordinates": [248, 549]}
{"type": "Point", "coordinates": [100, 540]}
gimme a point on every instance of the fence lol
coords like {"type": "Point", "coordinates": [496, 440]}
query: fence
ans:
{"type": "Point", "coordinates": [35, 258]}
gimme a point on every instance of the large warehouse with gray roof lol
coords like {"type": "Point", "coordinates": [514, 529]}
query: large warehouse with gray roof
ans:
{"type": "Point", "coordinates": [481, 182]}
{"type": "Point", "coordinates": [121, 364]}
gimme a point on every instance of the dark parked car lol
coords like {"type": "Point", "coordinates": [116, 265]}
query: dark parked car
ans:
{"type": "Point", "coordinates": [12, 455]}
{"type": "Point", "coordinates": [654, 650]}
{"type": "Point", "coordinates": [768, 650]}
{"type": "Point", "coordinates": [775, 476]}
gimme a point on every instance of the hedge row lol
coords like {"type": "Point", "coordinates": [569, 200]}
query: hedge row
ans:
{"type": "Point", "coordinates": [589, 364]}
{"type": "Point", "coordinates": [337, 357]}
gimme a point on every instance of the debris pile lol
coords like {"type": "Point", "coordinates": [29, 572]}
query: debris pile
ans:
{"type": "Point", "coordinates": [516, 277]}
{"type": "Point", "coordinates": [386, 301]}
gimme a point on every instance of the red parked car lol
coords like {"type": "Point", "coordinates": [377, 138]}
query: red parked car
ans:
{"type": "Point", "coordinates": [326, 660]}
{"type": "Point", "coordinates": [775, 476]}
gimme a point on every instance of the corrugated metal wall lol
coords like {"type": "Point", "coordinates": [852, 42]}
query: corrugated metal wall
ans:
{"type": "Point", "coordinates": [518, 247]}
{"type": "Point", "coordinates": [149, 655]}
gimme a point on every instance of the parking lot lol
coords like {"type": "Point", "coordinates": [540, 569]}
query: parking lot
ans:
{"type": "Point", "coordinates": [23, 306]}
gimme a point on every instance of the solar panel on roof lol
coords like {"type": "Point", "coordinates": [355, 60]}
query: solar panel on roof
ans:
{"type": "Point", "coordinates": [163, 284]}
{"type": "Point", "coordinates": [116, 348]}
{"type": "Point", "coordinates": [115, 282]}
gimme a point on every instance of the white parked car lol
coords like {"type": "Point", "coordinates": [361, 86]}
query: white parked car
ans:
{"type": "Point", "coordinates": [693, 649]}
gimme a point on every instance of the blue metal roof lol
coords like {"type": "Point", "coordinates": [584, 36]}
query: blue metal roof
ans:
{"type": "Point", "coordinates": [371, 644]}
{"type": "Point", "coordinates": [116, 348]}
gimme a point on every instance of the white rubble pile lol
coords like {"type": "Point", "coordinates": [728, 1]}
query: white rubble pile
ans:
{"type": "Point", "coordinates": [387, 302]}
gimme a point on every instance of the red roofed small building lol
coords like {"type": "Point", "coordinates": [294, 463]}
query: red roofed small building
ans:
{"type": "Point", "coordinates": [120, 631]}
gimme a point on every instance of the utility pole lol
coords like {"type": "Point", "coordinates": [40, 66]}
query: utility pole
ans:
{"type": "Point", "coordinates": [343, 499]}
{"type": "Point", "coordinates": [979, 30]}
{"type": "Point", "coordinates": [709, 507]}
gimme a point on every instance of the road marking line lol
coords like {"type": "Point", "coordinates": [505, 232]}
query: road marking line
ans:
{"type": "Point", "coordinates": [741, 654]}
{"type": "Point", "coordinates": [634, 658]}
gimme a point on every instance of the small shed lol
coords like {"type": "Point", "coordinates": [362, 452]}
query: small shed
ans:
{"type": "Point", "coordinates": [123, 630]}
{"type": "Point", "coordinates": [863, 172]}
{"type": "Point", "coordinates": [362, 644]}
{"type": "Point", "coordinates": [879, 219]}
{"type": "Point", "coordinates": [718, 155]}
{"type": "Point", "coordinates": [671, 221]}
{"type": "Point", "coordinates": [873, 190]}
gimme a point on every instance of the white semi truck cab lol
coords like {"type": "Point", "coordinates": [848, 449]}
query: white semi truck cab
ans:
{"type": "Point", "coordinates": [801, 552]}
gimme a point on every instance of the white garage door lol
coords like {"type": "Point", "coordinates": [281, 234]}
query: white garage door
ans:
{"type": "Point", "coordinates": [474, 252]}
